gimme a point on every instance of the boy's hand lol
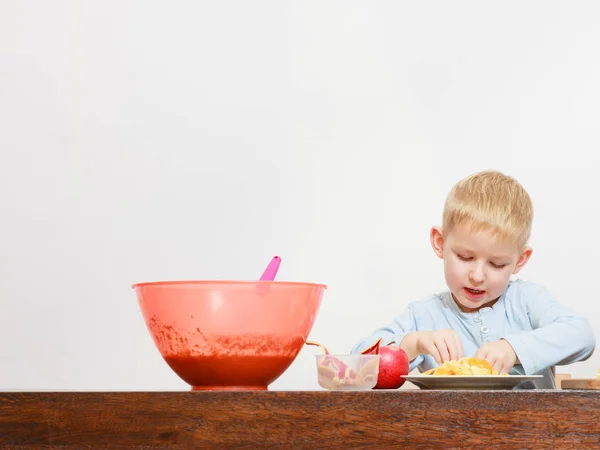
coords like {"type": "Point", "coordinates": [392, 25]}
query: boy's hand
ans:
{"type": "Point", "coordinates": [443, 345]}
{"type": "Point", "coordinates": [499, 354]}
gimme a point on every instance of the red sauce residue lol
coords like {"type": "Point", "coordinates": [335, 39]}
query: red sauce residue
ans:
{"type": "Point", "coordinates": [227, 372]}
{"type": "Point", "coordinates": [245, 361]}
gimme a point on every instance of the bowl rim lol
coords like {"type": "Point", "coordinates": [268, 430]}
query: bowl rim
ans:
{"type": "Point", "coordinates": [229, 282]}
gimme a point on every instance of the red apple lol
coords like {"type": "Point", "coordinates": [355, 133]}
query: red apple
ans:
{"type": "Point", "coordinates": [393, 363]}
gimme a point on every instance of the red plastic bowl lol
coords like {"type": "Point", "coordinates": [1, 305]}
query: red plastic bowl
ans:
{"type": "Point", "coordinates": [229, 335]}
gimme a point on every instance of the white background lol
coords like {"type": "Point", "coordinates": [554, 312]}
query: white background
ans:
{"type": "Point", "coordinates": [146, 140]}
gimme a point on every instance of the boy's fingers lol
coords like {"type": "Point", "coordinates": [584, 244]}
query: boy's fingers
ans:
{"type": "Point", "coordinates": [452, 348]}
{"type": "Point", "coordinates": [442, 348]}
{"type": "Point", "coordinates": [456, 345]}
{"type": "Point", "coordinates": [497, 365]}
{"type": "Point", "coordinates": [431, 349]}
{"type": "Point", "coordinates": [481, 353]}
{"type": "Point", "coordinates": [459, 349]}
{"type": "Point", "coordinates": [505, 367]}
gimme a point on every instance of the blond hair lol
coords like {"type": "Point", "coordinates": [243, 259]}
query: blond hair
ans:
{"type": "Point", "coordinates": [490, 201]}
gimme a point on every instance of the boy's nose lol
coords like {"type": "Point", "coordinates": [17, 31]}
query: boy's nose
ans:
{"type": "Point", "coordinates": [476, 276]}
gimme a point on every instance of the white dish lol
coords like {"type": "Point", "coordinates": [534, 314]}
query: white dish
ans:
{"type": "Point", "coordinates": [469, 382]}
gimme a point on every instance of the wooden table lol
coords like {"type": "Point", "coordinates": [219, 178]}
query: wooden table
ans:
{"type": "Point", "coordinates": [291, 420]}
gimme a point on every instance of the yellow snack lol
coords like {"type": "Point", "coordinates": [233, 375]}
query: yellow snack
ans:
{"type": "Point", "coordinates": [465, 366]}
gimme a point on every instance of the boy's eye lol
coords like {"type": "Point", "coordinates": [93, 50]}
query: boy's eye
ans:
{"type": "Point", "coordinates": [464, 258]}
{"type": "Point", "coordinates": [498, 266]}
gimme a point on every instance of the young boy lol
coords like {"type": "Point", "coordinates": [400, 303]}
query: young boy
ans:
{"type": "Point", "coordinates": [517, 326]}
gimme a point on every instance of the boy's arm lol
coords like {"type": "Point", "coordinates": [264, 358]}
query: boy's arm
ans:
{"type": "Point", "coordinates": [395, 332]}
{"type": "Point", "coordinates": [559, 336]}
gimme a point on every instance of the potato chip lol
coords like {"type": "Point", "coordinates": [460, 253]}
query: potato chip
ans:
{"type": "Point", "coordinates": [464, 366]}
{"type": "Point", "coordinates": [478, 363]}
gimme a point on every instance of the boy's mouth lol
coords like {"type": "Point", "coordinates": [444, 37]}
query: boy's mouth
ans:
{"type": "Point", "coordinates": [474, 293]}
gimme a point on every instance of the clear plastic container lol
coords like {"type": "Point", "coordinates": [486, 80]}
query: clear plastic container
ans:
{"type": "Point", "coordinates": [347, 372]}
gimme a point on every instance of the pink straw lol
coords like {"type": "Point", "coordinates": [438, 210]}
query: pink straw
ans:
{"type": "Point", "coordinates": [271, 270]}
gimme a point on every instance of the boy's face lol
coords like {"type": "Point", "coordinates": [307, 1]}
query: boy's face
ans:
{"type": "Point", "coordinates": [477, 265]}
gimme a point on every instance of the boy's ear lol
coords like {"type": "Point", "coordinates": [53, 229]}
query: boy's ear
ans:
{"type": "Point", "coordinates": [523, 258]}
{"type": "Point", "coordinates": [437, 241]}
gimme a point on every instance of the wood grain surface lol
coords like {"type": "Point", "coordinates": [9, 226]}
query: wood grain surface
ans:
{"type": "Point", "coordinates": [581, 383]}
{"type": "Point", "coordinates": [373, 419]}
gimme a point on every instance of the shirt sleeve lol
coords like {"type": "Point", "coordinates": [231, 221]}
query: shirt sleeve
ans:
{"type": "Point", "coordinates": [559, 336]}
{"type": "Point", "coordinates": [392, 333]}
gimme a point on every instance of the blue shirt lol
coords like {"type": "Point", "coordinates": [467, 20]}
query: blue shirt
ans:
{"type": "Point", "coordinates": [542, 332]}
